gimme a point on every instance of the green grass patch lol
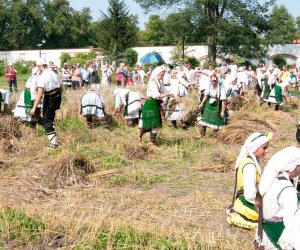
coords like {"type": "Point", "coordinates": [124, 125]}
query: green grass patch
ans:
{"type": "Point", "coordinates": [15, 225]}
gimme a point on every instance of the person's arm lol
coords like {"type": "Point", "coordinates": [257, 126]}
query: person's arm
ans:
{"type": "Point", "coordinates": [250, 189]}
{"type": "Point", "coordinates": [203, 101]}
{"type": "Point", "coordinates": [223, 108]}
{"type": "Point", "coordinates": [37, 101]}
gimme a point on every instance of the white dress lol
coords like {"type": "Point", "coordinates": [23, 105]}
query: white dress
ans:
{"type": "Point", "coordinates": [281, 203]}
{"type": "Point", "coordinates": [92, 104]}
{"type": "Point", "coordinates": [20, 110]}
{"type": "Point", "coordinates": [179, 91]}
{"type": "Point", "coordinates": [134, 102]}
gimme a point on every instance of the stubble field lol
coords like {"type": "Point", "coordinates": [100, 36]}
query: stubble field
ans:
{"type": "Point", "coordinates": [104, 189]}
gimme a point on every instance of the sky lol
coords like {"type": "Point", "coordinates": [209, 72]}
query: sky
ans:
{"type": "Point", "coordinates": [101, 5]}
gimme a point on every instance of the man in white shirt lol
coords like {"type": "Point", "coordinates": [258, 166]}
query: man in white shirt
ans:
{"type": "Point", "coordinates": [49, 85]}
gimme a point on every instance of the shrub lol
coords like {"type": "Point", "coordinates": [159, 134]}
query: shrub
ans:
{"type": "Point", "coordinates": [280, 61]}
{"type": "Point", "coordinates": [131, 57]}
{"type": "Point", "coordinates": [193, 61]}
{"type": "Point", "coordinates": [64, 57]}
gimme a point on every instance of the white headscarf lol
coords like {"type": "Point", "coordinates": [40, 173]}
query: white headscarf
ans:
{"type": "Point", "coordinates": [34, 70]}
{"type": "Point", "coordinates": [252, 143]}
{"type": "Point", "coordinates": [156, 72]}
{"type": "Point", "coordinates": [285, 160]}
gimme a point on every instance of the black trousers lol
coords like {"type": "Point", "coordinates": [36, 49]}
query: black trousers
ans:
{"type": "Point", "coordinates": [11, 84]}
{"type": "Point", "coordinates": [50, 105]}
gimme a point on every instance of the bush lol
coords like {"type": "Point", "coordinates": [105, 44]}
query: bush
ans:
{"type": "Point", "coordinates": [2, 67]}
{"type": "Point", "coordinates": [193, 61]}
{"type": "Point", "coordinates": [64, 57]}
{"type": "Point", "coordinates": [279, 61]}
{"type": "Point", "coordinates": [23, 67]}
{"type": "Point", "coordinates": [131, 57]}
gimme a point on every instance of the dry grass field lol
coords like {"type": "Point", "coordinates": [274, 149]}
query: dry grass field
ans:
{"type": "Point", "coordinates": [104, 189]}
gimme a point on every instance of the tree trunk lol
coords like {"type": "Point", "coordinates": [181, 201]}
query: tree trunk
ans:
{"type": "Point", "coordinates": [212, 49]}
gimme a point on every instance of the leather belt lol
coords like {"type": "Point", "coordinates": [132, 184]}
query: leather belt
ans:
{"type": "Point", "coordinates": [52, 92]}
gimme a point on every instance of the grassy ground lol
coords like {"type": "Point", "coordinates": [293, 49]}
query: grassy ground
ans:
{"type": "Point", "coordinates": [106, 190]}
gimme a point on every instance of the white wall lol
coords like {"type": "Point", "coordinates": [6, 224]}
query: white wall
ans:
{"type": "Point", "coordinates": [165, 51]}
{"type": "Point", "coordinates": [33, 55]}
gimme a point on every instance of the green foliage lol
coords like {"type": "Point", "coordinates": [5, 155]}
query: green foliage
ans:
{"type": "Point", "coordinates": [128, 237]}
{"type": "Point", "coordinates": [2, 67]}
{"type": "Point", "coordinates": [117, 29]}
{"type": "Point", "coordinates": [18, 226]}
{"type": "Point", "coordinates": [81, 58]}
{"type": "Point", "coordinates": [131, 57]}
{"type": "Point", "coordinates": [282, 26]}
{"type": "Point", "coordinates": [193, 61]}
{"type": "Point", "coordinates": [279, 61]}
{"type": "Point", "coordinates": [237, 27]}
{"type": "Point", "coordinates": [23, 67]}
{"type": "Point", "coordinates": [154, 34]}
{"type": "Point", "coordinates": [64, 57]}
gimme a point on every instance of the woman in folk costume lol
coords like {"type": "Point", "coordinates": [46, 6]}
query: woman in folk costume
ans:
{"type": "Point", "coordinates": [151, 117]}
{"type": "Point", "coordinates": [26, 101]}
{"type": "Point", "coordinates": [269, 83]}
{"type": "Point", "coordinates": [4, 97]}
{"type": "Point", "coordinates": [92, 106]}
{"type": "Point", "coordinates": [242, 212]}
{"type": "Point", "coordinates": [214, 109]}
{"type": "Point", "coordinates": [175, 109]}
{"type": "Point", "coordinates": [280, 217]}
{"type": "Point", "coordinates": [132, 102]}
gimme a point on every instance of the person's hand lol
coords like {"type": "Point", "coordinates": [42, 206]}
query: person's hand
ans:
{"type": "Point", "coordinates": [32, 111]}
{"type": "Point", "coordinates": [222, 114]}
{"type": "Point", "coordinates": [199, 106]}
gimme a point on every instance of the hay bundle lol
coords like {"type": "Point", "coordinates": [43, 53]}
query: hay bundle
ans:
{"type": "Point", "coordinates": [9, 128]}
{"type": "Point", "coordinates": [69, 169]}
{"type": "Point", "coordinates": [237, 103]}
{"type": "Point", "coordinates": [243, 124]}
{"type": "Point", "coordinates": [139, 152]}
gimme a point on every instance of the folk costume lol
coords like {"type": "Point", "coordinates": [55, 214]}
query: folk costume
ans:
{"type": "Point", "coordinates": [214, 100]}
{"type": "Point", "coordinates": [151, 116]}
{"type": "Point", "coordinates": [175, 108]}
{"type": "Point", "coordinates": [49, 86]}
{"type": "Point", "coordinates": [26, 101]}
{"type": "Point", "coordinates": [280, 222]}
{"type": "Point", "coordinates": [242, 212]}
{"type": "Point", "coordinates": [92, 106]}
{"type": "Point", "coordinates": [132, 102]}
{"type": "Point", "coordinates": [4, 98]}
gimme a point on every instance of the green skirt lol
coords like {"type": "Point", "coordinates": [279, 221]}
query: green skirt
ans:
{"type": "Point", "coordinates": [211, 114]}
{"type": "Point", "coordinates": [126, 106]}
{"type": "Point", "coordinates": [151, 117]}
{"type": "Point", "coordinates": [278, 94]}
{"type": "Point", "coordinates": [27, 101]}
{"type": "Point", "coordinates": [267, 91]}
{"type": "Point", "coordinates": [273, 230]}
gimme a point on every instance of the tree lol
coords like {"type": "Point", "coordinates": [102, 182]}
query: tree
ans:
{"type": "Point", "coordinates": [180, 29]}
{"type": "Point", "coordinates": [131, 57]}
{"type": "Point", "coordinates": [20, 23]}
{"type": "Point", "coordinates": [298, 26]}
{"type": "Point", "coordinates": [282, 26]}
{"type": "Point", "coordinates": [118, 28]}
{"type": "Point", "coordinates": [154, 34]}
{"type": "Point", "coordinates": [221, 20]}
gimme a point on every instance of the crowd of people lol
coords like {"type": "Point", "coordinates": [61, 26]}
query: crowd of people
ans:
{"type": "Point", "coordinates": [263, 200]}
